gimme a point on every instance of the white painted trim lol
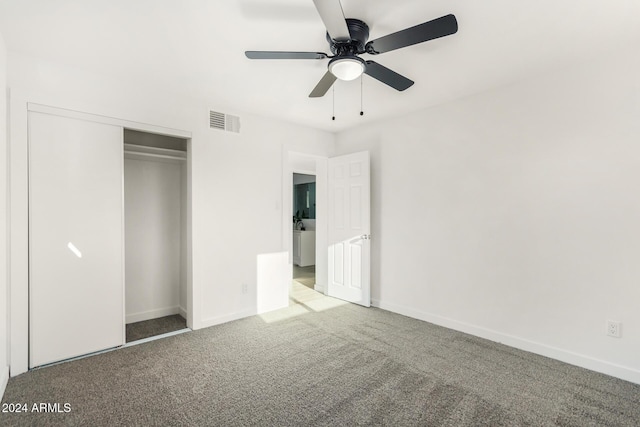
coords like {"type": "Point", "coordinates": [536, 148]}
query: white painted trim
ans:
{"type": "Point", "coordinates": [152, 314]}
{"type": "Point", "coordinates": [192, 314]}
{"type": "Point", "coordinates": [4, 380]}
{"type": "Point", "coordinates": [182, 312]}
{"type": "Point", "coordinates": [322, 224]}
{"type": "Point", "coordinates": [587, 362]}
{"type": "Point", "coordinates": [213, 321]}
{"type": "Point", "coordinates": [161, 130]}
{"type": "Point", "coordinates": [123, 262]}
{"type": "Point", "coordinates": [19, 269]}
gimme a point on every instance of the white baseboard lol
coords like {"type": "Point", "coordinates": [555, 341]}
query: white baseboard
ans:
{"type": "Point", "coordinates": [318, 288]}
{"type": "Point", "coordinates": [151, 314]}
{"type": "Point", "coordinates": [212, 321]}
{"type": "Point", "coordinates": [587, 362]}
{"type": "Point", "coordinates": [182, 312]}
{"type": "Point", "coordinates": [4, 379]}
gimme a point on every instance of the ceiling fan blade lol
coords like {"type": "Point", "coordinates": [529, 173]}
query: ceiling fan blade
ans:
{"type": "Point", "coordinates": [440, 27]}
{"type": "Point", "coordinates": [333, 18]}
{"type": "Point", "coordinates": [266, 54]}
{"type": "Point", "coordinates": [323, 85]}
{"type": "Point", "coordinates": [387, 76]}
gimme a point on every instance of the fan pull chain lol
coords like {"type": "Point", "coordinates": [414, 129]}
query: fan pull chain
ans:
{"type": "Point", "coordinates": [333, 96]}
{"type": "Point", "coordinates": [361, 103]}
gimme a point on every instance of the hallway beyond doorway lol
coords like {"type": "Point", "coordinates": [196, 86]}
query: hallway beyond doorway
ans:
{"type": "Point", "coordinates": [305, 275]}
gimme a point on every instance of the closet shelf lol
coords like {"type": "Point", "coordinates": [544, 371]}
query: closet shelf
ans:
{"type": "Point", "coordinates": [141, 151]}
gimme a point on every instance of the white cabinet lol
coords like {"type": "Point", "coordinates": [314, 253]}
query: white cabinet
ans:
{"type": "Point", "coordinates": [304, 247]}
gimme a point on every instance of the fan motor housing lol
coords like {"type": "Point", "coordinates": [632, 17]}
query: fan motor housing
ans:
{"type": "Point", "coordinates": [359, 32]}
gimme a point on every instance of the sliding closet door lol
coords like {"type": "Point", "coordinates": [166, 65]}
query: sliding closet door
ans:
{"type": "Point", "coordinates": [76, 280]}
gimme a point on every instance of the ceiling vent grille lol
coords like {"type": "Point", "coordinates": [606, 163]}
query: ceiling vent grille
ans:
{"type": "Point", "coordinates": [224, 121]}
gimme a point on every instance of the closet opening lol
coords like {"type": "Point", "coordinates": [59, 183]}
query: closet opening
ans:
{"type": "Point", "coordinates": [155, 218]}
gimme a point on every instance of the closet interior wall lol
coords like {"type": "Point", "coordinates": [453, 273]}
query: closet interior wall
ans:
{"type": "Point", "coordinates": [155, 199]}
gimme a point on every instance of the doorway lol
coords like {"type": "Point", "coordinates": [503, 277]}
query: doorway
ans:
{"type": "Point", "coordinates": [304, 229]}
{"type": "Point", "coordinates": [316, 167]}
{"type": "Point", "coordinates": [303, 242]}
{"type": "Point", "coordinates": [343, 223]}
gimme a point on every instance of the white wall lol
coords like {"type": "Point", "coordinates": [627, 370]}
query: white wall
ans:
{"type": "Point", "coordinates": [515, 215]}
{"type": "Point", "coordinates": [4, 174]}
{"type": "Point", "coordinates": [233, 175]}
{"type": "Point", "coordinates": [153, 238]}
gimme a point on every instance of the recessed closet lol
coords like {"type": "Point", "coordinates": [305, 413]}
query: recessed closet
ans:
{"type": "Point", "coordinates": [155, 238]}
{"type": "Point", "coordinates": [108, 239]}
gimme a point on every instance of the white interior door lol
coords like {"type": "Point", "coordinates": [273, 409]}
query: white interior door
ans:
{"type": "Point", "coordinates": [76, 278]}
{"type": "Point", "coordinates": [349, 228]}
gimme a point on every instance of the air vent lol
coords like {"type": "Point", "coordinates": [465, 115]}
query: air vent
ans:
{"type": "Point", "coordinates": [224, 121]}
{"type": "Point", "coordinates": [216, 120]}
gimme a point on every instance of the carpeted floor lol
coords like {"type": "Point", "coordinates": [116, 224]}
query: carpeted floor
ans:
{"type": "Point", "coordinates": [151, 328]}
{"type": "Point", "coordinates": [323, 362]}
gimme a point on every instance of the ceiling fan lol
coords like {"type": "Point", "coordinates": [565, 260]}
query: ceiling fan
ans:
{"type": "Point", "coordinates": [348, 38]}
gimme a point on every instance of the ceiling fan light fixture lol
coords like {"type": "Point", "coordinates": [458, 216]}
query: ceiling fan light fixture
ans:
{"type": "Point", "coordinates": [347, 68]}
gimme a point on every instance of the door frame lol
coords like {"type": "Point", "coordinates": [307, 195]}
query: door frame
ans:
{"type": "Point", "coordinates": [19, 246]}
{"type": "Point", "coordinates": [311, 164]}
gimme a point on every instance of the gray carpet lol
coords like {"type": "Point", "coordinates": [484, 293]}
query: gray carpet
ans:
{"type": "Point", "coordinates": [345, 365]}
{"type": "Point", "coordinates": [150, 328]}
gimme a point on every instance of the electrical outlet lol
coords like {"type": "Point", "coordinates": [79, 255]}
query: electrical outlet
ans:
{"type": "Point", "coordinates": [614, 329]}
{"type": "Point", "coordinates": [245, 288]}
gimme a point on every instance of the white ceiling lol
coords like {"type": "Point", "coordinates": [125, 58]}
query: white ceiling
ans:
{"type": "Point", "coordinates": [196, 47]}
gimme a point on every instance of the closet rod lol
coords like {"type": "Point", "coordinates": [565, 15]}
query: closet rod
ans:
{"type": "Point", "coordinates": [156, 150]}
{"type": "Point", "coordinates": [157, 156]}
